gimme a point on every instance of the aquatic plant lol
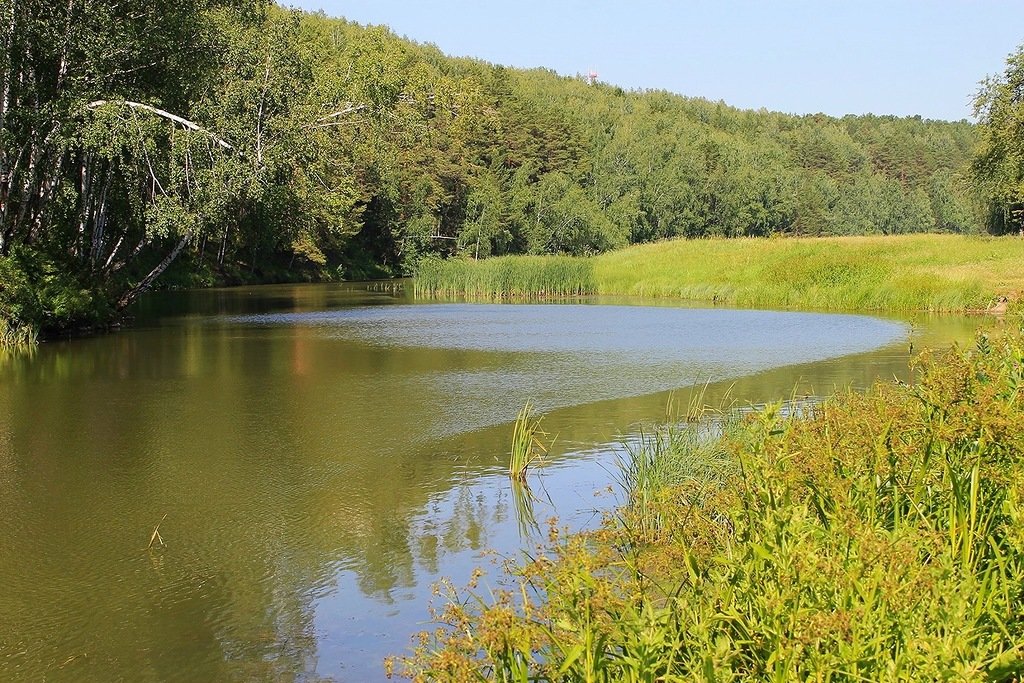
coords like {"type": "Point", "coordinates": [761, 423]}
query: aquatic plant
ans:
{"type": "Point", "coordinates": [668, 462]}
{"type": "Point", "coordinates": [527, 446]}
{"type": "Point", "coordinates": [506, 277]}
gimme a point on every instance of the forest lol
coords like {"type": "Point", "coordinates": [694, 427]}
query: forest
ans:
{"type": "Point", "coordinates": [204, 142]}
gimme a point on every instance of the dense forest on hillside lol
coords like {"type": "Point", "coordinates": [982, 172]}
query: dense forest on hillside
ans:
{"type": "Point", "coordinates": [219, 141]}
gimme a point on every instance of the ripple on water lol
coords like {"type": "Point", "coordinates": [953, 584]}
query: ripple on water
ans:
{"type": "Point", "coordinates": [499, 356]}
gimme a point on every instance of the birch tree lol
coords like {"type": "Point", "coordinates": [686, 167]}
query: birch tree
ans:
{"type": "Point", "coordinates": [104, 174]}
{"type": "Point", "coordinates": [999, 162]}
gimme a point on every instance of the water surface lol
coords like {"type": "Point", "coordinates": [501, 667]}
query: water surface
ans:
{"type": "Point", "coordinates": [323, 454]}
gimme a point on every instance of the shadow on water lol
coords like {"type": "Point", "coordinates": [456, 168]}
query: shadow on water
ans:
{"type": "Point", "coordinates": [318, 473]}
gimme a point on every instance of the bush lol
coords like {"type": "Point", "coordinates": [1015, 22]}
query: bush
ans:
{"type": "Point", "coordinates": [19, 306]}
{"type": "Point", "coordinates": [39, 296]}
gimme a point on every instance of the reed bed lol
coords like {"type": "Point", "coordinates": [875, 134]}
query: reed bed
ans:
{"type": "Point", "coordinates": [875, 536]}
{"type": "Point", "coordinates": [507, 277]}
{"type": "Point", "coordinates": [950, 273]}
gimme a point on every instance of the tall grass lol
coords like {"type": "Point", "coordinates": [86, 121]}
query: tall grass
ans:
{"type": "Point", "coordinates": [662, 464]}
{"type": "Point", "coordinates": [893, 273]}
{"type": "Point", "coordinates": [876, 536]}
{"type": "Point", "coordinates": [15, 337]}
{"type": "Point", "coordinates": [508, 277]}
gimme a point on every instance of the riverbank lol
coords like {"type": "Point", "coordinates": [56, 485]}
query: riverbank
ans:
{"type": "Point", "coordinates": [947, 273]}
{"type": "Point", "coordinates": [42, 303]}
{"type": "Point", "coordinates": [877, 536]}
{"type": "Point", "coordinates": [900, 273]}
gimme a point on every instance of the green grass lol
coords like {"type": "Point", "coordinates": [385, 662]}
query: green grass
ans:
{"type": "Point", "coordinates": [662, 463]}
{"type": "Point", "coordinates": [892, 273]}
{"type": "Point", "coordinates": [876, 536]}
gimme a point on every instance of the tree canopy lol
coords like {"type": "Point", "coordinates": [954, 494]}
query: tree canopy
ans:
{"type": "Point", "coordinates": [999, 164]}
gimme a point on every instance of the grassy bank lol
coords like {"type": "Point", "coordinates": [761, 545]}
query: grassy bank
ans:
{"type": "Point", "coordinates": [892, 273]}
{"type": "Point", "coordinates": [879, 537]}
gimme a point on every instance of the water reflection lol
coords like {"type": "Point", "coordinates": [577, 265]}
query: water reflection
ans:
{"type": "Point", "coordinates": [523, 499]}
{"type": "Point", "coordinates": [324, 453]}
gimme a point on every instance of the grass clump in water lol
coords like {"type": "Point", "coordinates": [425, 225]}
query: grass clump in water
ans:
{"type": "Point", "coordinates": [665, 463]}
{"type": "Point", "coordinates": [527, 447]}
{"type": "Point", "coordinates": [876, 536]}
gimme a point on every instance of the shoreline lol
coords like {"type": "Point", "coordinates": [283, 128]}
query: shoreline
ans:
{"type": "Point", "coordinates": [878, 531]}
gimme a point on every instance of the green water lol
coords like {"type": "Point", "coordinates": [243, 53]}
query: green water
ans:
{"type": "Point", "coordinates": [320, 455]}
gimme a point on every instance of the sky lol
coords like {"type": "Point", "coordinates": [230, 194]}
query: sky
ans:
{"type": "Point", "coordinates": [902, 57]}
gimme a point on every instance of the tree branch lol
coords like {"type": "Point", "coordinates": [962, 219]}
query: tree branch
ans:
{"type": "Point", "coordinates": [348, 109]}
{"type": "Point", "coordinates": [185, 123]}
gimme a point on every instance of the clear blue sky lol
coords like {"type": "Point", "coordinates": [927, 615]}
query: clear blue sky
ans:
{"type": "Point", "coordinates": [899, 57]}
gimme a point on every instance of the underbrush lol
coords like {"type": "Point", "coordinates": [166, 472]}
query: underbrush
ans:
{"type": "Point", "coordinates": [875, 536]}
{"type": "Point", "coordinates": [19, 314]}
{"type": "Point", "coordinates": [41, 297]}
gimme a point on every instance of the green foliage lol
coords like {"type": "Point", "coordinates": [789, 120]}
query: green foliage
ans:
{"type": "Point", "coordinates": [18, 305]}
{"type": "Point", "coordinates": [877, 536]}
{"type": "Point", "coordinates": [557, 217]}
{"type": "Point", "coordinates": [36, 296]}
{"type": "Point", "coordinates": [103, 172]}
{"type": "Point", "coordinates": [483, 232]}
{"type": "Point", "coordinates": [957, 207]}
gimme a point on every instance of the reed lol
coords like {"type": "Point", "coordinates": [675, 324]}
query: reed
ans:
{"type": "Point", "coordinates": [14, 337]}
{"type": "Point", "coordinates": [673, 460]}
{"type": "Point", "coordinates": [882, 273]}
{"type": "Point", "coordinates": [506, 277]}
{"type": "Point", "coordinates": [527, 446]}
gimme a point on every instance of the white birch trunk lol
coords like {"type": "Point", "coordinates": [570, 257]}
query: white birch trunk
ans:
{"type": "Point", "coordinates": [129, 297]}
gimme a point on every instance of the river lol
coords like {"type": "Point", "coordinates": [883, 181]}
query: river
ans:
{"type": "Point", "coordinates": [318, 456]}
